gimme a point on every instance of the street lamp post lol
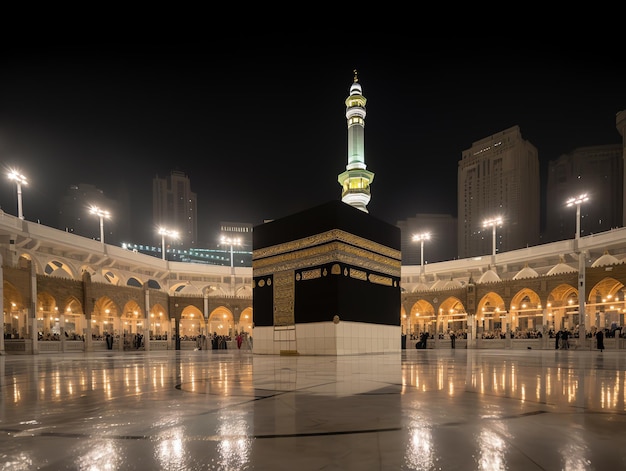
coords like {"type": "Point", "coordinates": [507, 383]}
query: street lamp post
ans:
{"type": "Point", "coordinates": [165, 232]}
{"type": "Point", "coordinates": [102, 214]}
{"type": "Point", "coordinates": [578, 200]}
{"type": "Point", "coordinates": [421, 238]}
{"type": "Point", "coordinates": [19, 180]}
{"type": "Point", "coordinates": [232, 241]}
{"type": "Point", "coordinates": [493, 223]}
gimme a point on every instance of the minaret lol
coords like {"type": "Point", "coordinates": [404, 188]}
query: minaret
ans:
{"type": "Point", "coordinates": [356, 180]}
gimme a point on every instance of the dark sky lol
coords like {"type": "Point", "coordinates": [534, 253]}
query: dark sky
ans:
{"type": "Point", "coordinates": [261, 129]}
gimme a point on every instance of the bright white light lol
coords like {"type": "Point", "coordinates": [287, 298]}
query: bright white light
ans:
{"type": "Point", "coordinates": [166, 232]}
{"type": "Point", "coordinates": [577, 200]}
{"type": "Point", "coordinates": [19, 180]}
{"type": "Point", "coordinates": [18, 177]}
{"type": "Point", "coordinates": [102, 214]}
{"type": "Point", "coordinates": [99, 212]}
{"type": "Point", "coordinates": [421, 237]}
{"type": "Point", "coordinates": [497, 221]}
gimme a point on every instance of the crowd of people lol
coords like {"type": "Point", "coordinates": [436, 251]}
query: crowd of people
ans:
{"type": "Point", "coordinates": [217, 341]}
{"type": "Point", "coordinates": [57, 337]}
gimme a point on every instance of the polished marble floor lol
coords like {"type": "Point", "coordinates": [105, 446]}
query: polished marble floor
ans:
{"type": "Point", "coordinates": [232, 410]}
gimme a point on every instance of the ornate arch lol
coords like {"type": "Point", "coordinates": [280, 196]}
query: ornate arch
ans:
{"type": "Point", "coordinates": [526, 312]}
{"type": "Point", "coordinates": [159, 322]}
{"type": "Point", "coordinates": [452, 315]}
{"type": "Point", "coordinates": [191, 323]}
{"type": "Point", "coordinates": [422, 317]}
{"type": "Point", "coordinates": [246, 321]}
{"type": "Point", "coordinates": [59, 269]}
{"type": "Point", "coordinates": [221, 321]}
{"type": "Point", "coordinates": [491, 314]}
{"type": "Point", "coordinates": [244, 291]}
{"type": "Point", "coordinates": [184, 288]}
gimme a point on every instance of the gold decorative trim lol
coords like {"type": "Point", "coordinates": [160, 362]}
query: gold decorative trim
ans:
{"type": "Point", "coordinates": [381, 280]}
{"type": "Point", "coordinates": [311, 274]}
{"type": "Point", "coordinates": [348, 271]}
{"type": "Point", "coordinates": [324, 238]}
{"type": "Point", "coordinates": [358, 274]}
{"type": "Point", "coordinates": [325, 254]}
{"type": "Point", "coordinates": [284, 295]}
{"type": "Point", "coordinates": [335, 269]}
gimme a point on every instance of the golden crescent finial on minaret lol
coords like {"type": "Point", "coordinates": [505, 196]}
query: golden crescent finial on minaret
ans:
{"type": "Point", "coordinates": [356, 78]}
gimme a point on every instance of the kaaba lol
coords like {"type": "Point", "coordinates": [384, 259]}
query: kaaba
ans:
{"type": "Point", "coordinates": [326, 281]}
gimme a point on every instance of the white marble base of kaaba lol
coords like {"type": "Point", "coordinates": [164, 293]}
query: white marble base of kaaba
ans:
{"type": "Point", "coordinates": [327, 338]}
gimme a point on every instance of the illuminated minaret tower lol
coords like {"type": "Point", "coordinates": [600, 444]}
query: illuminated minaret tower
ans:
{"type": "Point", "coordinates": [356, 180]}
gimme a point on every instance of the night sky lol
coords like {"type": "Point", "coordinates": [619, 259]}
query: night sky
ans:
{"type": "Point", "coordinates": [261, 130]}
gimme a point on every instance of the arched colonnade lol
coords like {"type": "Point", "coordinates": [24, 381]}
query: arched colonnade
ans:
{"type": "Point", "coordinates": [82, 314]}
{"type": "Point", "coordinates": [527, 308]}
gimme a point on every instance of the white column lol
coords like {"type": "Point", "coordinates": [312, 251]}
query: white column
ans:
{"type": "Point", "coordinates": [62, 331]}
{"type": "Point", "coordinates": [102, 229]}
{"type": "Point", "coordinates": [146, 321]}
{"type": "Point", "coordinates": [471, 334]}
{"type": "Point", "coordinates": [546, 328]}
{"type": "Point", "coordinates": [2, 352]}
{"type": "Point", "coordinates": [581, 298]}
{"type": "Point", "coordinates": [31, 313]}
{"type": "Point", "coordinates": [19, 201]}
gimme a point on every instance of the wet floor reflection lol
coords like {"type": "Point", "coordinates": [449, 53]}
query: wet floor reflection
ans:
{"type": "Point", "coordinates": [581, 380]}
{"type": "Point", "coordinates": [420, 450]}
{"type": "Point", "coordinates": [235, 439]}
{"type": "Point", "coordinates": [492, 448]}
{"type": "Point", "coordinates": [418, 410]}
{"type": "Point", "coordinates": [558, 379]}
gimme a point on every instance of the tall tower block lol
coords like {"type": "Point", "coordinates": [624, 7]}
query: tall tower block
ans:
{"type": "Point", "coordinates": [356, 180]}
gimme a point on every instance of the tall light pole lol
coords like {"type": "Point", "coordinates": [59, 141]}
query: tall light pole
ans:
{"type": "Point", "coordinates": [19, 180]}
{"type": "Point", "coordinates": [102, 214]}
{"type": "Point", "coordinates": [232, 241]}
{"type": "Point", "coordinates": [493, 223]}
{"type": "Point", "coordinates": [421, 238]}
{"type": "Point", "coordinates": [578, 200]}
{"type": "Point", "coordinates": [165, 232]}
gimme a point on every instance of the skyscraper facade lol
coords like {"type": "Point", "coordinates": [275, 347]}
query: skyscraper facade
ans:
{"type": "Point", "coordinates": [620, 124]}
{"type": "Point", "coordinates": [596, 171]}
{"type": "Point", "coordinates": [174, 206]}
{"type": "Point", "coordinates": [498, 177]}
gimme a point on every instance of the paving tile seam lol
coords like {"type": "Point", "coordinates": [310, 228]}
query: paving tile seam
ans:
{"type": "Point", "coordinates": [197, 438]}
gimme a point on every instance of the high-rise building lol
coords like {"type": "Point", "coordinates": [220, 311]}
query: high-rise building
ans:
{"type": "Point", "coordinates": [439, 247]}
{"type": "Point", "coordinates": [174, 206]}
{"type": "Point", "coordinates": [596, 171]}
{"type": "Point", "coordinates": [620, 123]}
{"type": "Point", "coordinates": [498, 177]}
{"type": "Point", "coordinates": [75, 217]}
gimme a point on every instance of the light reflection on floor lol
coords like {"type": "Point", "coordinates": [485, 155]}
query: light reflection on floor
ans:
{"type": "Point", "coordinates": [421, 409]}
